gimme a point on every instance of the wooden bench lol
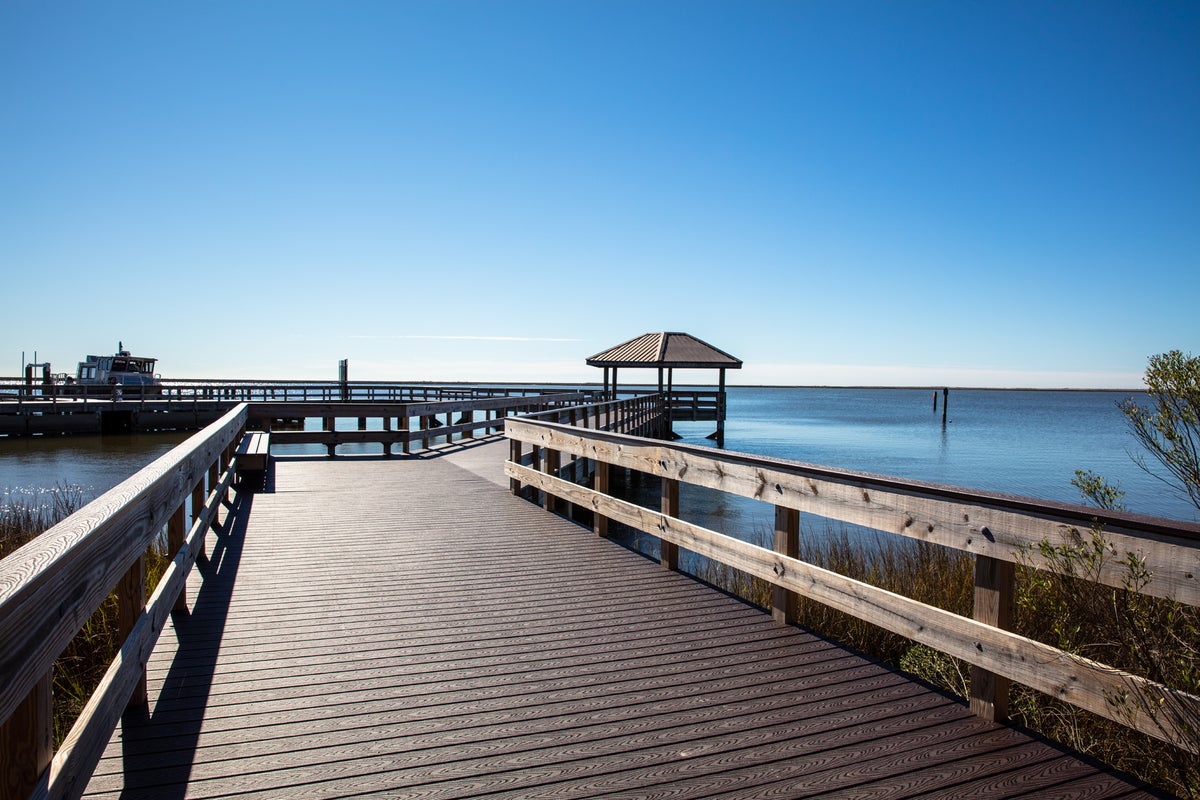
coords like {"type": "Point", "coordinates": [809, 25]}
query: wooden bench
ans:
{"type": "Point", "coordinates": [253, 452]}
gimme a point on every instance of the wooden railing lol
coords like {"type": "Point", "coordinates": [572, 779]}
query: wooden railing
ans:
{"type": "Point", "coordinates": [50, 587]}
{"type": "Point", "coordinates": [639, 415]}
{"type": "Point", "coordinates": [403, 423]}
{"type": "Point", "coordinates": [999, 530]}
{"type": "Point", "coordinates": [14, 390]}
{"type": "Point", "coordinates": [696, 405]}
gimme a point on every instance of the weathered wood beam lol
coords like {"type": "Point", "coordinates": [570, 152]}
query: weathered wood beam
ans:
{"type": "Point", "coordinates": [998, 526]}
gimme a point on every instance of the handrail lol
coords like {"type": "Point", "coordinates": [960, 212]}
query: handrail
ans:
{"type": "Point", "coordinates": [189, 391]}
{"type": "Point", "coordinates": [51, 586]}
{"type": "Point", "coordinates": [496, 410]}
{"type": "Point", "coordinates": [999, 530]}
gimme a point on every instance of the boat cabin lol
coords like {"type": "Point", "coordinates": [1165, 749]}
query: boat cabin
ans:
{"type": "Point", "coordinates": [121, 369]}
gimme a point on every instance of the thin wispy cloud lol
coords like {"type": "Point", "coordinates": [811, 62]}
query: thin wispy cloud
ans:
{"type": "Point", "coordinates": [467, 338]}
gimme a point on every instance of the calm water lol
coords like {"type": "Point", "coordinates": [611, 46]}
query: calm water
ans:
{"type": "Point", "coordinates": [93, 464]}
{"type": "Point", "coordinates": [1018, 442]}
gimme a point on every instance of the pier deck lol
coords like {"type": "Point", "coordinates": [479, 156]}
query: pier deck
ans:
{"type": "Point", "coordinates": [405, 627]}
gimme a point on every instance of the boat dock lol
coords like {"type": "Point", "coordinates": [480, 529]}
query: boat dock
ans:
{"type": "Point", "coordinates": [413, 625]}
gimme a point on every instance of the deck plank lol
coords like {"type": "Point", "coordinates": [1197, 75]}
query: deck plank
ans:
{"type": "Point", "coordinates": [406, 628]}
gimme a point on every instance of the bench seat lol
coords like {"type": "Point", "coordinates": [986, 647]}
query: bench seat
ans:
{"type": "Point", "coordinates": [253, 451]}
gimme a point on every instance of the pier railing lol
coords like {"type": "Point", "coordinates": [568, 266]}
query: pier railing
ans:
{"type": "Point", "coordinates": [403, 423]}
{"type": "Point", "coordinates": [638, 415]}
{"type": "Point", "coordinates": [17, 390]}
{"type": "Point", "coordinates": [50, 587]}
{"type": "Point", "coordinates": [698, 405]}
{"type": "Point", "coordinates": [999, 531]}
{"type": "Point", "coordinates": [26, 411]}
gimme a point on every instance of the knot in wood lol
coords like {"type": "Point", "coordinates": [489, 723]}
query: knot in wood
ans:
{"type": "Point", "coordinates": [779, 569]}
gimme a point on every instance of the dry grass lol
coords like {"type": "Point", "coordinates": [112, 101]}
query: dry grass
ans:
{"type": "Point", "coordinates": [79, 669]}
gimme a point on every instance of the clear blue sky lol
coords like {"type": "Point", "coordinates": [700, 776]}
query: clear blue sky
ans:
{"type": "Point", "coordinates": [959, 193]}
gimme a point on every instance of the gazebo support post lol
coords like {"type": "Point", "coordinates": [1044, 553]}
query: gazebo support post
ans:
{"type": "Point", "coordinates": [719, 434]}
{"type": "Point", "coordinates": [671, 435]}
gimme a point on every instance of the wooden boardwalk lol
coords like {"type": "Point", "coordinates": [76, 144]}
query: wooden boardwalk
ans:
{"type": "Point", "coordinates": [406, 628]}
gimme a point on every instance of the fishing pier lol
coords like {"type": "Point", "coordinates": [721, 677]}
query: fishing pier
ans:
{"type": "Point", "coordinates": [446, 616]}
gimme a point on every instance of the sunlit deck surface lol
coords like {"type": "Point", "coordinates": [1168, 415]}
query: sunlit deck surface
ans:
{"type": "Point", "coordinates": [407, 628]}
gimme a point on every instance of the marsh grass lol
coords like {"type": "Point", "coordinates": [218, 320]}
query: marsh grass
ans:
{"type": "Point", "coordinates": [78, 670]}
{"type": "Point", "coordinates": [1061, 607]}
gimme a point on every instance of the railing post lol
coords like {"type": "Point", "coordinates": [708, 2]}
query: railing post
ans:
{"type": "Point", "coordinates": [198, 496]}
{"type": "Point", "coordinates": [387, 445]}
{"type": "Point", "coordinates": [514, 455]}
{"type": "Point", "coordinates": [600, 484]}
{"type": "Point", "coordinates": [227, 461]}
{"type": "Point", "coordinates": [550, 465]}
{"type": "Point", "coordinates": [535, 462]}
{"type": "Point", "coordinates": [787, 543]}
{"type": "Point", "coordinates": [468, 416]}
{"type": "Point", "coordinates": [175, 537]}
{"type": "Point", "coordinates": [403, 422]}
{"type": "Point", "coordinates": [329, 424]}
{"type": "Point", "coordinates": [214, 476]}
{"type": "Point", "coordinates": [131, 600]}
{"type": "Point", "coordinates": [27, 742]}
{"type": "Point", "coordinates": [994, 599]}
{"type": "Point", "coordinates": [669, 551]}
{"type": "Point", "coordinates": [572, 420]}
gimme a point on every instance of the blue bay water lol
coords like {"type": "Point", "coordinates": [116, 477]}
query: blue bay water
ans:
{"type": "Point", "coordinates": [1017, 442]}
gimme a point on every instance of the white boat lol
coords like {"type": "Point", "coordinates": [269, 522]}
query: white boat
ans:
{"type": "Point", "coordinates": [121, 369]}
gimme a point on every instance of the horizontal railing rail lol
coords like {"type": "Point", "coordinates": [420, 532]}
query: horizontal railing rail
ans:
{"type": "Point", "coordinates": [642, 414]}
{"type": "Point", "coordinates": [403, 423]}
{"type": "Point", "coordinates": [51, 587]}
{"type": "Point", "coordinates": [1000, 531]}
{"type": "Point", "coordinates": [621, 415]}
{"type": "Point", "coordinates": [18, 392]}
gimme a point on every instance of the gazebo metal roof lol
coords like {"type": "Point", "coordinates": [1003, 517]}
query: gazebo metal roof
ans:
{"type": "Point", "coordinates": [670, 350]}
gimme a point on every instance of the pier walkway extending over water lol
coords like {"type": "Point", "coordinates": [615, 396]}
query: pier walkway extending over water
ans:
{"type": "Point", "coordinates": [406, 627]}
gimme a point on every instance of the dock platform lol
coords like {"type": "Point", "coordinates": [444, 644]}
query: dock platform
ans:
{"type": "Point", "coordinates": [408, 628]}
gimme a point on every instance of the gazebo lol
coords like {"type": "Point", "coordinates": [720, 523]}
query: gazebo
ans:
{"type": "Point", "coordinates": [667, 352]}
